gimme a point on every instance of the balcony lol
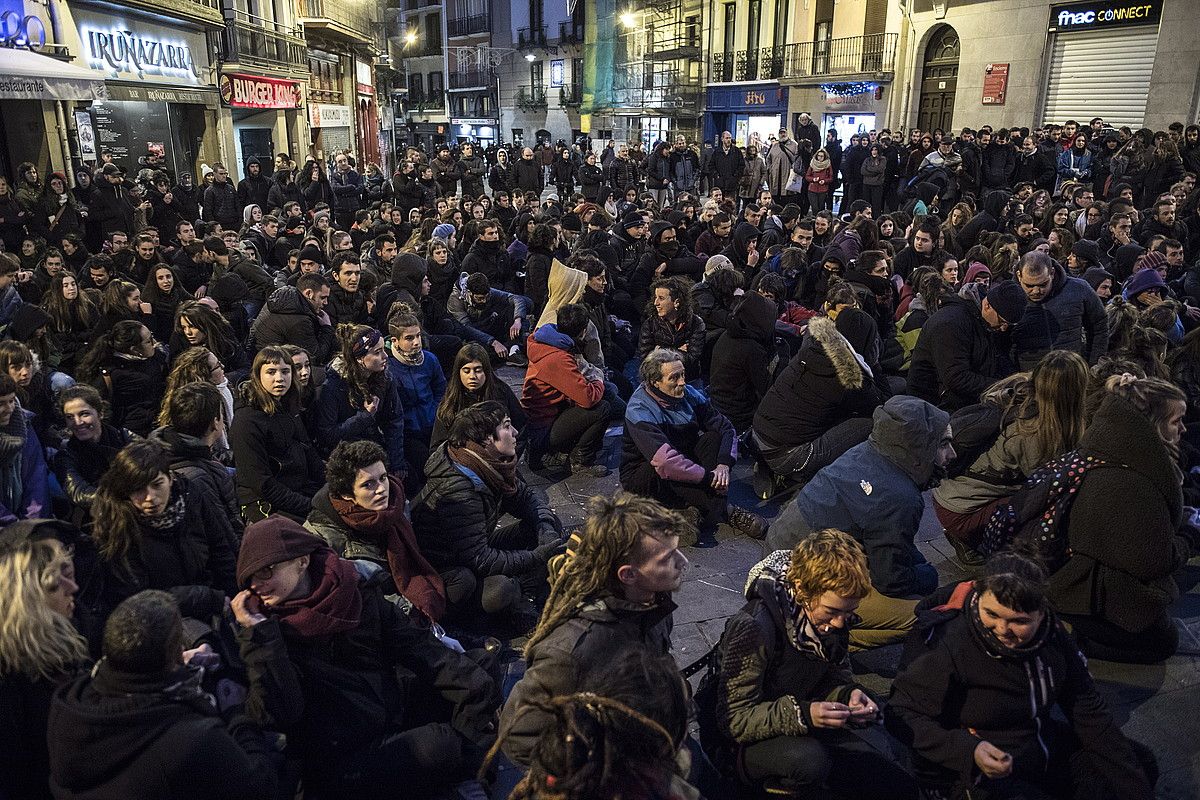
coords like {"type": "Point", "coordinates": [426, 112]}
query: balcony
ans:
{"type": "Point", "coordinates": [199, 10]}
{"type": "Point", "coordinates": [422, 48]}
{"type": "Point", "coordinates": [570, 32]}
{"type": "Point", "coordinates": [530, 98]}
{"type": "Point", "coordinates": [254, 41]}
{"type": "Point", "coordinates": [722, 68]}
{"type": "Point", "coordinates": [468, 26]}
{"type": "Point", "coordinates": [472, 80]}
{"type": "Point", "coordinates": [430, 101]}
{"type": "Point", "coordinates": [533, 36]}
{"type": "Point", "coordinates": [853, 55]}
{"type": "Point", "coordinates": [351, 20]}
{"type": "Point", "coordinates": [571, 96]}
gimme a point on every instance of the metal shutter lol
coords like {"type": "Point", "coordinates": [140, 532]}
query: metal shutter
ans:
{"type": "Point", "coordinates": [1103, 73]}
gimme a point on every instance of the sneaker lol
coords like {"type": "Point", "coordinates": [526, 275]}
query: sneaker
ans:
{"type": "Point", "coordinates": [594, 470]}
{"type": "Point", "coordinates": [966, 555]}
{"type": "Point", "coordinates": [517, 359]}
{"type": "Point", "coordinates": [745, 522]}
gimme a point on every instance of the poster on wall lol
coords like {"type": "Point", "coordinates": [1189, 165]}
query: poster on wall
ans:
{"type": "Point", "coordinates": [995, 84]}
{"type": "Point", "coordinates": [87, 136]}
{"type": "Point", "coordinates": [131, 130]}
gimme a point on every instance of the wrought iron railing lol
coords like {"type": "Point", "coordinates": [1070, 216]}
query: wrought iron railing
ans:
{"type": "Point", "coordinates": [533, 96]}
{"type": "Point", "coordinates": [253, 40]}
{"type": "Point", "coordinates": [358, 15]}
{"type": "Point", "coordinates": [472, 79]}
{"type": "Point", "coordinates": [853, 55]}
{"type": "Point", "coordinates": [532, 36]}
{"type": "Point", "coordinates": [468, 26]}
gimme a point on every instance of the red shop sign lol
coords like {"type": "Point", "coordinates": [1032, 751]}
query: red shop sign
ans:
{"type": "Point", "coordinates": [995, 84]}
{"type": "Point", "coordinates": [251, 91]}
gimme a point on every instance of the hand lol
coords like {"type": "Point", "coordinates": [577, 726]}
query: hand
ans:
{"type": "Point", "coordinates": [661, 269]}
{"type": "Point", "coordinates": [23, 276]}
{"type": "Point", "coordinates": [752, 254]}
{"type": "Point", "coordinates": [720, 478]}
{"type": "Point", "coordinates": [829, 715]}
{"type": "Point", "coordinates": [683, 347]}
{"type": "Point", "coordinates": [1192, 312]}
{"type": "Point", "coordinates": [372, 405]}
{"type": "Point", "coordinates": [992, 761]}
{"type": "Point", "coordinates": [1150, 299]}
{"type": "Point", "coordinates": [323, 318]}
{"type": "Point", "coordinates": [202, 656]}
{"type": "Point", "coordinates": [247, 609]}
{"type": "Point", "coordinates": [862, 708]}
{"type": "Point", "coordinates": [146, 308]}
{"type": "Point", "coordinates": [515, 329]}
{"type": "Point", "coordinates": [500, 349]}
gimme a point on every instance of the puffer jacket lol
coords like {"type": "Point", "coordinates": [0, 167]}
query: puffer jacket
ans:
{"type": "Point", "coordinates": [953, 692]}
{"type": "Point", "coordinates": [822, 386]}
{"type": "Point", "coordinates": [659, 332]}
{"type": "Point", "coordinates": [283, 190]}
{"type": "Point", "coordinates": [600, 627]}
{"type": "Point", "coordinates": [453, 492]}
{"type": "Point", "coordinates": [288, 318]}
{"type": "Point", "coordinates": [743, 360]}
{"type": "Point", "coordinates": [555, 379]}
{"type": "Point", "coordinates": [1071, 317]}
{"type": "Point", "coordinates": [1126, 580]}
{"type": "Point", "coordinates": [278, 470]}
{"type": "Point", "coordinates": [337, 419]}
{"type": "Point", "coordinates": [955, 359]}
{"type": "Point", "coordinates": [221, 204]}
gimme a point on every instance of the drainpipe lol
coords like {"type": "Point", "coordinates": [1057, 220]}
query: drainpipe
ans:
{"type": "Point", "coordinates": [60, 117]}
{"type": "Point", "coordinates": [912, 65]}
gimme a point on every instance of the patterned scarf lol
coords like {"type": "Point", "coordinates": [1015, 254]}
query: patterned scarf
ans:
{"type": "Point", "coordinates": [409, 360]}
{"type": "Point", "coordinates": [498, 472]}
{"type": "Point", "coordinates": [801, 633]}
{"type": "Point", "coordinates": [171, 516]}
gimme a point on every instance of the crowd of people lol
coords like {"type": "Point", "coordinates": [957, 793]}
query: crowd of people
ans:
{"type": "Point", "coordinates": [266, 489]}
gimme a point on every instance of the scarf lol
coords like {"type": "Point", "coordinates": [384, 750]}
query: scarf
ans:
{"type": "Point", "coordinates": [415, 577]}
{"type": "Point", "coordinates": [172, 515]}
{"type": "Point", "coordinates": [12, 442]}
{"type": "Point", "coordinates": [820, 162]}
{"type": "Point", "coordinates": [410, 360]}
{"type": "Point", "coordinates": [664, 400]}
{"type": "Point", "coordinates": [500, 474]}
{"type": "Point", "coordinates": [996, 648]}
{"type": "Point", "coordinates": [334, 605]}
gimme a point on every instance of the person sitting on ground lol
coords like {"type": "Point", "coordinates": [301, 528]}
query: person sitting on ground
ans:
{"type": "Point", "coordinates": [472, 380]}
{"type": "Point", "coordinates": [1040, 417]}
{"type": "Point", "coordinates": [564, 396]}
{"type": "Point", "coordinates": [89, 448]}
{"type": "Point", "coordinates": [472, 480]}
{"type": "Point", "coordinates": [24, 490]}
{"type": "Point", "coordinates": [678, 449]}
{"type": "Point", "coordinates": [359, 513]}
{"type": "Point", "coordinates": [495, 314]}
{"type": "Point", "coordinates": [983, 685]}
{"type": "Point", "coordinates": [130, 369]}
{"type": "Point", "coordinates": [296, 315]}
{"type": "Point", "coordinates": [360, 401]}
{"type": "Point", "coordinates": [417, 375]}
{"type": "Point", "coordinates": [1116, 589]}
{"type": "Point", "coordinates": [613, 591]}
{"type": "Point", "coordinates": [785, 699]}
{"type": "Point", "coordinates": [140, 725]}
{"type": "Point", "coordinates": [372, 704]}
{"type": "Point", "coordinates": [670, 322]}
{"type": "Point", "coordinates": [819, 407]}
{"type": "Point", "coordinates": [744, 360]}
{"type": "Point", "coordinates": [874, 492]}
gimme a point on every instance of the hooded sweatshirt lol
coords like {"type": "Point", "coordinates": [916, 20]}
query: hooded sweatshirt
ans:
{"type": "Point", "coordinates": [567, 285]}
{"type": "Point", "coordinates": [873, 492]}
{"type": "Point", "coordinates": [743, 360]}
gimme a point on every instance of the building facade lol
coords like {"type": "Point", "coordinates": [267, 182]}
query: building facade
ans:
{"type": "Point", "coordinates": [421, 30]}
{"type": "Point", "coordinates": [543, 79]}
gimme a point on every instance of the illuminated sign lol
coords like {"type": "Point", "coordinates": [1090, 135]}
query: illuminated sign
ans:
{"type": "Point", "coordinates": [249, 91]}
{"type": "Point", "coordinates": [121, 50]}
{"type": "Point", "coordinates": [22, 32]}
{"type": "Point", "coordinates": [1111, 14]}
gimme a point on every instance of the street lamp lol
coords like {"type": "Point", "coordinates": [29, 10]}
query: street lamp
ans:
{"type": "Point", "coordinates": [410, 38]}
{"type": "Point", "coordinates": [628, 19]}
{"type": "Point", "coordinates": [530, 57]}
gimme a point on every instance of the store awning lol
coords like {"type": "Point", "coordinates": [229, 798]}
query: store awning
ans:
{"type": "Point", "coordinates": [25, 75]}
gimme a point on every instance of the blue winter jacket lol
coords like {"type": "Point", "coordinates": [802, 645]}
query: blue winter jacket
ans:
{"type": "Point", "coordinates": [421, 389]}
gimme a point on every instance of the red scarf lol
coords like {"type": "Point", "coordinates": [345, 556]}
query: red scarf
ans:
{"type": "Point", "coordinates": [415, 577]}
{"type": "Point", "coordinates": [497, 471]}
{"type": "Point", "coordinates": [334, 605]}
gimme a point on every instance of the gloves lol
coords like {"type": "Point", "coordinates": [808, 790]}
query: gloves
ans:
{"type": "Point", "coordinates": [544, 552]}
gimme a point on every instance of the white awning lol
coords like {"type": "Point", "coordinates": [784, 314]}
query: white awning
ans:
{"type": "Point", "coordinates": [25, 75]}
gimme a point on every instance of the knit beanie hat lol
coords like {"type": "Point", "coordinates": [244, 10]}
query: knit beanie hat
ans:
{"type": "Point", "coordinates": [312, 253]}
{"type": "Point", "coordinates": [1087, 250]}
{"type": "Point", "coordinates": [976, 269]}
{"type": "Point", "coordinates": [444, 231]}
{"type": "Point", "coordinates": [1008, 300]}
{"type": "Point", "coordinates": [715, 263]}
{"type": "Point", "coordinates": [1094, 276]}
{"type": "Point", "coordinates": [1151, 260]}
{"type": "Point", "coordinates": [632, 219]}
{"type": "Point", "coordinates": [272, 541]}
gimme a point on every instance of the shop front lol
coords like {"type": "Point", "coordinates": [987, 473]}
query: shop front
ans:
{"type": "Point", "coordinates": [264, 112]}
{"type": "Point", "coordinates": [852, 109]}
{"type": "Point", "coordinates": [162, 98]}
{"type": "Point", "coordinates": [751, 112]}
{"type": "Point", "coordinates": [475, 129]}
{"type": "Point", "coordinates": [330, 128]}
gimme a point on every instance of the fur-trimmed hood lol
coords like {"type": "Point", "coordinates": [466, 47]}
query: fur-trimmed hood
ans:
{"type": "Point", "coordinates": [845, 362]}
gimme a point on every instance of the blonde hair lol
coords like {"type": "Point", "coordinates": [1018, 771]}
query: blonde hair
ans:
{"type": "Point", "coordinates": [36, 640]}
{"type": "Point", "coordinates": [829, 561]}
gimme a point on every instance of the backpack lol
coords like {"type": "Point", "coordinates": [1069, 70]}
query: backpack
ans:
{"type": "Point", "coordinates": [1035, 514]}
{"type": "Point", "coordinates": [975, 429]}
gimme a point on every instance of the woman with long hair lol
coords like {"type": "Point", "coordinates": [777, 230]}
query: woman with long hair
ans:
{"type": "Point", "coordinates": [1057, 215]}
{"type": "Point", "coordinates": [197, 365]}
{"type": "Point", "coordinates": [472, 381]}
{"type": "Point", "coordinates": [165, 294]}
{"type": "Point", "coordinates": [359, 401]}
{"type": "Point", "coordinates": [314, 186]}
{"type": "Point", "coordinates": [200, 325]}
{"type": "Point", "coordinates": [33, 387]}
{"type": "Point", "coordinates": [73, 316]}
{"type": "Point", "coordinates": [40, 649]}
{"type": "Point", "coordinates": [278, 469]}
{"type": "Point", "coordinates": [1041, 417]}
{"type": "Point", "coordinates": [89, 448]}
{"type": "Point", "coordinates": [121, 301]}
{"type": "Point", "coordinates": [157, 530]}
{"type": "Point", "coordinates": [130, 369]}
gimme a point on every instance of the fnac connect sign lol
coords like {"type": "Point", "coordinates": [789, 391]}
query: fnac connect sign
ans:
{"type": "Point", "coordinates": [1110, 14]}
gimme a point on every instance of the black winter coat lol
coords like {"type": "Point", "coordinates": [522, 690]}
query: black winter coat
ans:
{"type": "Point", "coordinates": [591, 179]}
{"type": "Point", "coordinates": [111, 208]}
{"type": "Point", "coordinates": [742, 360]}
{"type": "Point", "coordinates": [135, 389]}
{"type": "Point", "coordinates": [79, 466]}
{"type": "Point", "coordinates": [221, 204]}
{"type": "Point", "coordinates": [337, 420]}
{"type": "Point", "coordinates": [999, 161]}
{"type": "Point", "coordinates": [254, 191]}
{"type": "Point", "coordinates": [492, 260]}
{"type": "Point", "coordinates": [726, 169]}
{"type": "Point", "coordinates": [527, 175]}
{"type": "Point", "coordinates": [288, 318]}
{"type": "Point", "coordinates": [456, 513]}
{"type": "Point", "coordinates": [951, 693]}
{"type": "Point", "coordinates": [193, 459]}
{"type": "Point", "coordinates": [955, 358]}
{"type": "Point", "coordinates": [1038, 169]}
{"type": "Point", "coordinates": [659, 332]}
{"type": "Point", "coordinates": [278, 470]}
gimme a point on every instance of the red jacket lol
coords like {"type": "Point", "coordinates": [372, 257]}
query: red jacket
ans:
{"type": "Point", "coordinates": [553, 380]}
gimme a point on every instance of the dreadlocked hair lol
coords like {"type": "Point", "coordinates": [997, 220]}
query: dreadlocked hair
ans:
{"type": "Point", "coordinates": [611, 537]}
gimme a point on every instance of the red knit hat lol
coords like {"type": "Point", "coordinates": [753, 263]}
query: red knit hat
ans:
{"type": "Point", "coordinates": [272, 541]}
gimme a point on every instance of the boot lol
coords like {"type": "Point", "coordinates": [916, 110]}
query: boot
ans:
{"type": "Point", "coordinates": [596, 470]}
{"type": "Point", "coordinates": [967, 556]}
{"type": "Point", "coordinates": [747, 523]}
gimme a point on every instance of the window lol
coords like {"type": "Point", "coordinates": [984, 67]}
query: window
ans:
{"type": "Point", "coordinates": [535, 74]}
{"type": "Point", "coordinates": [325, 77]}
{"type": "Point", "coordinates": [781, 22]}
{"type": "Point", "coordinates": [433, 34]}
{"type": "Point", "coordinates": [730, 22]}
{"type": "Point", "coordinates": [416, 88]}
{"type": "Point", "coordinates": [536, 16]}
{"type": "Point", "coordinates": [436, 84]}
{"type": "Point", "coordinates": [577, 73]}
{"type": "Point", "coordinates": [752, 26]}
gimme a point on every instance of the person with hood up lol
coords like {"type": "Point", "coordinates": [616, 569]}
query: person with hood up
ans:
{"type": "Point", "coordinates": [500, 177]}
{"type": "Point", "coordinates": [141, 726]}
{"type": "Point", "coordinates": [819, 180]}
{"type": "Point", "coordinates": [957, 356]}
{"type": "Point", "coordinates": [664, 256]}
{"type": "Point", "coordinates": [255, 188]}
{"type": "Point", "coordinates": [340, 669]}
{"type": "Point", "coordinates": [1063, 313]}
{"type": "Point", "coordinates": [568, 285]}
{"type": "Point", "coordinates": [743, 360]}
{"type": "Point", "coordinates": [787, 704]}
{"type": "Point", "coordinates": [742, 250]}
{"type": "Point", "coordinates": [984, 686]}
{"type": "Point", "coordinates": [562, 173]}
{"type": "Point", "coordinates": [678, 449]}
{"type": "Point", "coordinates": [296, 315]}
{"type": "Point", "coordinates": [564, 395]}
{"type": "Point", "coordinates": [819, 407]}
{"type": "Point", "coordinates": [874, 491]}
{"type": "Point", "coordinates": [283, 191]}
{"type": "Point", "coordinates": [359, 513]}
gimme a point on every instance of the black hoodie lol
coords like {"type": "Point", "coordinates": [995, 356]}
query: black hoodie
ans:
{"type": "Point", "coordinates": [987, 219]}
{"type": "Point", "coordinates": [138, 736]}
{"type": "Point", "coordinates": [743, 360]}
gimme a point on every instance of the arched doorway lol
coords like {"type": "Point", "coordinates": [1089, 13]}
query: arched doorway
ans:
{"type": "Point", "coordinates": [939, 78]}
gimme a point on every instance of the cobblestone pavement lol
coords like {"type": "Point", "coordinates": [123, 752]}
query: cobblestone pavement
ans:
{"type": "Point", "coordinates": [1157, 705]}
